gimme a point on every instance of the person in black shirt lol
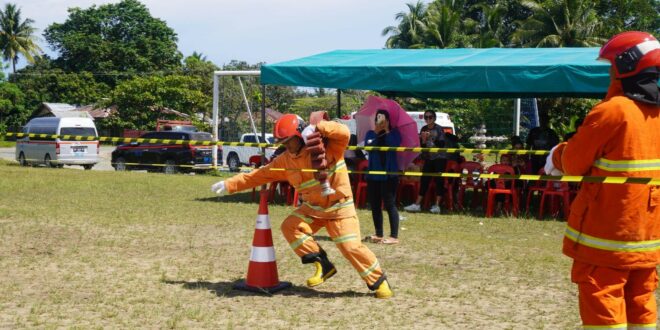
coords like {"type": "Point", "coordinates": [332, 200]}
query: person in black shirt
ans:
{"type": "Point", "coordinates": [431, 136]}
{"type": "Point", "coordinates": [541, 138]}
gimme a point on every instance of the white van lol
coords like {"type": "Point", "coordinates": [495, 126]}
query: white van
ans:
{"type": "Point", "coordinates": [58, 152]}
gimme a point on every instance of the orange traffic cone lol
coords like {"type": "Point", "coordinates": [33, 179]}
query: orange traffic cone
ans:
{"type": "Point", "coordinates": [262, 271]}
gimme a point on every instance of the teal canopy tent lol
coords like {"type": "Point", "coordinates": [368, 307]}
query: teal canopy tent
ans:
{"type": "Point", "coordinates": [450, 73]}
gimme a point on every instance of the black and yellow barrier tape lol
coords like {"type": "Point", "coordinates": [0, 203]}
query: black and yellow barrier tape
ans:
{"type": "Point", "coordinates": [269, 145]}
{"type": "Point", "coordinates": [526, 177]}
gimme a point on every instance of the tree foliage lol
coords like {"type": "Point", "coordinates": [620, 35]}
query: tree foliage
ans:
{"type": "Point", "coordinates": [12, 109]}
{"type": "Point", "coordinates": [121, 38]}
{"type": "Point", "coordinates": [42, 83]}
{"type": "Point", "coordinates": [515, 23]}
{"type": "Point", "coordinates": [17, 36]}
{"type": "Point", "coordinates": [141, 101]}
{"type": "Point", "coordinates": [560, 23]}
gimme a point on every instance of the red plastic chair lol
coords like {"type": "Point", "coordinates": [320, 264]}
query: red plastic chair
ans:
{"type": "Point", "coordinates": [469, 183]}
{"type": "Point", "coordinates": [448, 197]}
{"type": "Point", "coordinates": [361, 183]}
{"type": "Point", "coordinates": [554, 190]}
{"type": "Point", "coordinates": [451, 184]}
{"type": "Point", "coordinates": [409, 187]}
{"type": "Point", "coordinates": [535, 189]}
{"type": "Point", "coordinates": [506, 187]}
{"type": "Point", "coordinates": [255, 161]}
{"type": "Point", "coordinates": [287, 191]}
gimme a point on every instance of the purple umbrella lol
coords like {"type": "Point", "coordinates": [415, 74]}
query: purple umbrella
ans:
{"type": "Point", "coordinates": [399, 119]}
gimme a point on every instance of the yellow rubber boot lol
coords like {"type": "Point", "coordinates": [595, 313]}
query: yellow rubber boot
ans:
{"type": "Point", "coordinates": [322, 273]}
{"type": "Point", "coordinates": [384, 291]}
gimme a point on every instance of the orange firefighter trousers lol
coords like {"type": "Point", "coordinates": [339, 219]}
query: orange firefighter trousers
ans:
{"type": "Point", "coordinates": [617, 298]}
{"type": "Point", "coordinates": [345, 233]}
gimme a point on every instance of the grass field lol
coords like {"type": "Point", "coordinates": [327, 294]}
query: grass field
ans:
{"type": "Point", "coordinates": [91, 249]}
{"type": "Point", "coordinates": [6, 144]}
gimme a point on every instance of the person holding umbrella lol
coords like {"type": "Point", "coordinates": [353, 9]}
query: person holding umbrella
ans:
{"type": "Point", "coordinates": [431, 136]}
{"type": "Point", "coordinates": [381, 189]}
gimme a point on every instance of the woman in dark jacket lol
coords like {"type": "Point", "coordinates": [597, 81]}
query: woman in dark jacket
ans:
{"type": "Point", "coordinates": [431, 136]}
{"type": "Point", "coordinates": [381, 189]}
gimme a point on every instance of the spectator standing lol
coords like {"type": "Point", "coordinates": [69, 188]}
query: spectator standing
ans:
{"type": "Point", "coordinates": [381, 189]}
{"type": "Point", "coordinates": [431, 135]}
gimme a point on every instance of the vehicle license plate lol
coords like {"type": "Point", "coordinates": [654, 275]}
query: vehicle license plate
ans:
{"type": "Point", "coordinates": [79, 149]}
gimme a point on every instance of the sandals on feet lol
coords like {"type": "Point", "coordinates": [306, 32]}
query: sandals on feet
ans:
{"type": "Point", "coordinates": [373, 239]}
{"type": "Point", "coordinates": [390, 240]}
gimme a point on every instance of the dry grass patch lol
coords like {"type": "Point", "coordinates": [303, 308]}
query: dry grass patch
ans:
{"type": "Point", "coordinates": [105, 249]}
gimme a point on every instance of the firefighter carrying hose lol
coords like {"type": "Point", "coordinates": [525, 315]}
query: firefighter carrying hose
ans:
{"type": "Point", "coordinates": [334, 211]}
{"type": "Point", "coordinates": [613, 230]}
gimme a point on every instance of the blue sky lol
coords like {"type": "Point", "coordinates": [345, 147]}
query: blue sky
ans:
{"type": "Point", "coordinates": [251, 30]}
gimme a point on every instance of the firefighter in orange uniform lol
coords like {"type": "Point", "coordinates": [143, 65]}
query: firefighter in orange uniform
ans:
{"type": "Point", "coordinates": [613, 230]}
{"type": "Point", "coordinates": [334, 212]}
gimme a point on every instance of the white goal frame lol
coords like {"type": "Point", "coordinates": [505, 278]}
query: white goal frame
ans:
{"type": "Point", "coordinates": [216, 104]}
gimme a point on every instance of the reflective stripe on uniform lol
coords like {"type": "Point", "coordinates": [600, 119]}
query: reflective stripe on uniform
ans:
{"type": "Point", "coordinates": [611, 245]}
{"type": "Point", "coordinates": [297, 243]}
{"type": "Point", "coordinates": [334, 207]}
{"type": "Point", "coordinates": [611, 326]}
{"type": "Point", "coordinates": [345, 238]}
{"type": "Point", "coordinates": [370, 269]}
{"type": "Point", "coordinates": [628, 165]}
{"type": "Point", "coordinates": [307, 219]}
{"type": "Point", "coordinates": [641, 326]}
{"type": "Point", "coordinates": [314, 182]}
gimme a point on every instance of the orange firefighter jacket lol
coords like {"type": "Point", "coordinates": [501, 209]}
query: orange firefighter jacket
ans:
{"type": "Point", "coordinates": [336, 206]}
{"type": "Point", "coordinates": [614, 225]}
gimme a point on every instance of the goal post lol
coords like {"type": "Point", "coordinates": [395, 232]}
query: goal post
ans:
{"type": "Point", "coordinates": [216, 103]}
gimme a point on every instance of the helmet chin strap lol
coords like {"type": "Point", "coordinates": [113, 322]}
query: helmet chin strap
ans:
{"type": "Point", "coordinates": [643, 87]}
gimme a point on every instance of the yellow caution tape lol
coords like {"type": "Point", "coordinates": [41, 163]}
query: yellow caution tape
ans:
{"type": "Point", "coordinates": [526, 177]}
{"type": "Point", "coordinates": [268, 145]}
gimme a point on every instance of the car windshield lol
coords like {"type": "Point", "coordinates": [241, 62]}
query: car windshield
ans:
{"type": "Point", "coordinates": [78, 131]}
{"type": "Point", "coordinates": [201, 136]}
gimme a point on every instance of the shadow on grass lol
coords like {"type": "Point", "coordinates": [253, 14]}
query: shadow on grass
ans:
{"type": "Point", "coordinates": [243, 197]}
{"type": "Point", "coordinates": [234, 198]}
{"type": "Point", "coordinates": [226, 290]}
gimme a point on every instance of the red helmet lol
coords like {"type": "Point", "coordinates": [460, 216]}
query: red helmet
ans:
{"type": "Point", "coordinates": [631, 52]}
{"type": "Point", "coordinates": [287, 126]}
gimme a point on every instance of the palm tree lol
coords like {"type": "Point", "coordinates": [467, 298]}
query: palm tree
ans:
{"type": "Point", "coordinates": [560, 23]}
{"type": "Point", "coordinates": [411, 29]}
{"type": "Point", "coordinates": [444, 24]}
{"type": "Point", "coordinates": [16, 36]}
{"type": "Point", "coordinates": [489, 29]}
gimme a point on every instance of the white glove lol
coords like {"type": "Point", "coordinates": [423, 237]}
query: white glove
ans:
{"type": "Point", "coordinates": [219, 188]}
{"type": "Point", "coordinates": [307, 131]}
{"type": "Point", "coordinates": [549, 167]}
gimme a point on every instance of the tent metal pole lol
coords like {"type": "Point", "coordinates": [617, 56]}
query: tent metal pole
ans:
{"type": "Point", "coordinates": [516, 118]}
{"type": "Point", "coordinates": [216, 92]}
{"type": "Point", "coordinates": [263, 122]}
{"type": "Point", "coordinates": [338, 103]}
